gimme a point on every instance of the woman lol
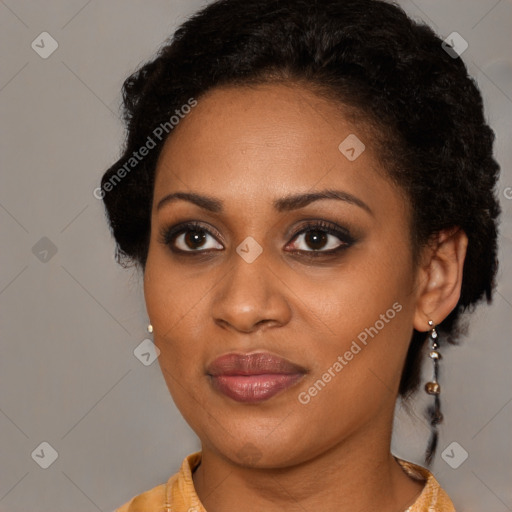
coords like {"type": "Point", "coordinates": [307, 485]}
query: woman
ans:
{"type": "Point", "coordinates": [308, 189]}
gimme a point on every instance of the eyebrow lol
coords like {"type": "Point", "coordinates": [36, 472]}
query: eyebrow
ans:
{"type": "Point", "coordinates": [284, 204]}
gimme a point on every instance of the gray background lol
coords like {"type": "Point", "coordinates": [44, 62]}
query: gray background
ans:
{"type": "Point", "coordinates": [70, 321]}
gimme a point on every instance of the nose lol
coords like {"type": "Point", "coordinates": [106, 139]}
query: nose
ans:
{"type": "Point", "coordinates": [250, 297]}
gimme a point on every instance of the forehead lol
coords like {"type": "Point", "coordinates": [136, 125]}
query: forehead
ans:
{"type": "Point", "coordinates": [246, 144]}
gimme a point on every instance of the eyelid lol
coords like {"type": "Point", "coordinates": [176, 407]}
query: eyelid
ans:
{"type": "Point", "coordinates": [329, 228]}
{"type": "Point", "coordinates": [326, 226]}
{"type": "Point", "coordinates": [168, 235]}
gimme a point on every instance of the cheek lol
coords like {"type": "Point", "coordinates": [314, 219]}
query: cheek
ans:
{"type": "Point", "coordinates": [368, 308]}
{"type": "Point", "coordinates": [173, 302]}
{"type": "Point", "coordinates": [365, 287]}
{"type": "Point", "coordinates": [172, 292]}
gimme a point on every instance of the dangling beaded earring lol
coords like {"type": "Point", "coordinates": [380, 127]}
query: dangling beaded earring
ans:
{"type": "Point", "coordinates": [433, 388]}
{"type": "Point", "coordinates": [150, 328]}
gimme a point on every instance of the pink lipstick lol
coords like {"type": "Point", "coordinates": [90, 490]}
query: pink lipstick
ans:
{"type": "Point", "coordinates": [253, 377]}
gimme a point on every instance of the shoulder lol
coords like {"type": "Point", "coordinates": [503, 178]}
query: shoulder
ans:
{"type": "Point", "coordinates": [177, 491]}
{"type": "Point", "coordinates": [433, 497]}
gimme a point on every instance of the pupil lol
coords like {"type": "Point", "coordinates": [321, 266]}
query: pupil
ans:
{"type": "Point", "coordinates": [316, 239]}
{"type": "Point", "coordinates": [195, 238]}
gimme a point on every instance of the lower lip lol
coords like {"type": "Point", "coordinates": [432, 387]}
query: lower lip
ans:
{"type": "Point", "coordinates": [253, 388]}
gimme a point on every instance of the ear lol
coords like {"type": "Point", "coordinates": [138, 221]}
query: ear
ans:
{"type": "Point", "coordinates": [439, 278]}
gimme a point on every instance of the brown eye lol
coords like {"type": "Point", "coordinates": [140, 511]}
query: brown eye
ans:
{"type": "Point", "coordinates": [194, 239]}
{"type": "Point", "coordinates": [190, 237]}
{"type": "Point", "coordinates": [321, 237]}
{"type": "Point", "coordinates": [316, 239]}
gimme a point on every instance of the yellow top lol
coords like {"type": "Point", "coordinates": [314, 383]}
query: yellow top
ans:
{"type": "Point", "coordinates": [179, 494]}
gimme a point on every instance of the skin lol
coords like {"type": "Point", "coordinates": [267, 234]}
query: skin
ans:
{"type": "Point", "coordinates": [247, 147]}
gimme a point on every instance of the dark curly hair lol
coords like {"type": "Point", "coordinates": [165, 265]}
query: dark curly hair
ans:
{"type": "Point", "coordinates": [367, 55]}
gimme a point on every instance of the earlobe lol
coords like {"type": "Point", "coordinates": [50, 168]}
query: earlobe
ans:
{"type": "Point", "coordinates": [440, 277]}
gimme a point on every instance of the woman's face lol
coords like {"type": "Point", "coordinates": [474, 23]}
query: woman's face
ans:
{"type": "Point", "coordinates": [327, 285]}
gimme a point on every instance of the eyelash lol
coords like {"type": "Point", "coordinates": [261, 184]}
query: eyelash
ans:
{"type": "Point", "coordinates": [169, 234]}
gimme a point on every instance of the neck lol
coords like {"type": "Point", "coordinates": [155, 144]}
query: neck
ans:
{"type": "Point", "coordinates": [358, 474]}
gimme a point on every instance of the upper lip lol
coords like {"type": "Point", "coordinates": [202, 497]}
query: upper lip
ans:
{"type": "Point", "coordinates": [259, 363]}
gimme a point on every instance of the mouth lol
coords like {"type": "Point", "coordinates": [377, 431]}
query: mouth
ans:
{"type": "Point", "coordinates": [252, 378]}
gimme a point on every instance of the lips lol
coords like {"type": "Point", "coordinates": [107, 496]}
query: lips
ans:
{"type": "Point", "coordinates": [253, 377]}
